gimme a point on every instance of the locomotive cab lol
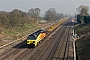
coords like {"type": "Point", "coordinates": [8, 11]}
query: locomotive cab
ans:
{"type": "Point", "coordinates": [31, 40]}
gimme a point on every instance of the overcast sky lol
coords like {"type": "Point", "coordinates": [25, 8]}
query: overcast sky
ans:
{"type": "Point", "coordinates": [61, 6]}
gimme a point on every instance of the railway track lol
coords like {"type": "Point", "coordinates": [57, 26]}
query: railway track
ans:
{"type": "Point", "coordinates": [9, 53]}
{"type": "Point", "coordinates": [58, 46]}
{"type": "Point", "coordinates": [65, 47]}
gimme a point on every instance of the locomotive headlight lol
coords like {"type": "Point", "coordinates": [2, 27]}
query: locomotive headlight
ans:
{"type": "Point", "coordinates": [27, 41]}
{"type": "Point", "coordinates": [33, 41]}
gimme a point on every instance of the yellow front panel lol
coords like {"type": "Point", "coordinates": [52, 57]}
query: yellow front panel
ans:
{"type": "Point", "coordinates": [31, 41]}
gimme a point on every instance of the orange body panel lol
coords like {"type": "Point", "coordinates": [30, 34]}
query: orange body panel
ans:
{"type": "Point", "coordinates": [42, 35]}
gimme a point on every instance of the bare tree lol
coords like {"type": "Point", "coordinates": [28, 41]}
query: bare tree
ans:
{"type": "Point", "coordinates": [34, 13]}
{"type": "Point", "coordinates": [37, 12]}
{"type": "Point", "coordinates": [31, 12]}
{"type": "Point", "coordinates": [50, 14]}
{"type": "Point", "coordinates": [83, 10]}
{"type": "Point", "coordinates": [59, 16]}
{"type": "Point", "coordinates": [4, 21]}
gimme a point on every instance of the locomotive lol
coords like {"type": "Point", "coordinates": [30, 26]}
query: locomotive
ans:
{"type": "Point", "coordinates": [36, 37]}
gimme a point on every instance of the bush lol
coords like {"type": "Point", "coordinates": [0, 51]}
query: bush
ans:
{"type": "Point", "coordinates": [83, 48]}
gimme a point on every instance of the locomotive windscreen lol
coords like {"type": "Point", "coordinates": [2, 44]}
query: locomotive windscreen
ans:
{"type": "Point", "coordinates": [31, 37]}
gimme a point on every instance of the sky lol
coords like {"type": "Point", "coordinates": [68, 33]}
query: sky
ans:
{"type": "Point", "coordinates": [61, 6]}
